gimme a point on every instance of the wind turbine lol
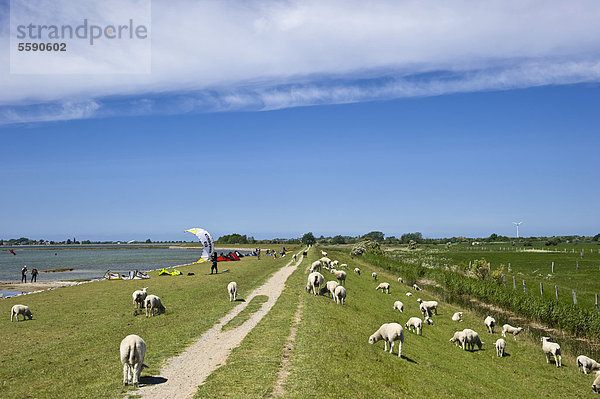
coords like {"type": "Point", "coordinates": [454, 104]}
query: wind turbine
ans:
{"type": "Point", "coordinates": [517, 224]}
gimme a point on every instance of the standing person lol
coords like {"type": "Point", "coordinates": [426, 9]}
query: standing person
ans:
{"type": "Point", "coordinates": [213, 258]}
{"type": "Point", "coordinates": [258, 253]}
{"type": "Point", "coordinates": [34, 273]}
{"type": "Point", "coordinates": [24, 274]}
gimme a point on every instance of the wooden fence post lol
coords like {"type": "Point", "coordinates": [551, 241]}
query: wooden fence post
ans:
{"type": "Point", "coordinates": [556, 291]}
{"type": "Point", "coordinates": [541, 288]}
{"type": "Point", "coordinates": [514, 283]}
{"type": "Point", "coordinates": [552, 267]}
{"type": "Point", "coordinates": [574, 298]}
{"type": "Point", "coordinates": [524, 287]}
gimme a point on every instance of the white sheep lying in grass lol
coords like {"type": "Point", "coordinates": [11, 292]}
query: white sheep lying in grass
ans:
{"type": "Point", "coordinates": [431, 305]}
{"type": "Point", "coordinates": [399, 306]}
{"type": "Point", "coordinates": [374, 275]}
{"type": "Point", "coordinates": [330, 286]}
{"type": "Point", "coordinates": [490, 322]}
{"type": "Point", "coordinates": [384, 287]}
{"type": "Point", "coordinates": [457, 316]}
{"type": "Point", "coordinates": [551, 348]}
{"type": "Point", "coordinates": [153, 303]}
{"type": "Point", "coordinates": [315, 266]}
{"type": "Point", "coordinates": [344, 266]}
{"type": "Point", "coordinates": [133, 351]}
{"type": "Point", "coordinates": [500, 345]}
{"type": "Point", "coordinates": [471, 339]}
{"type": "Point", "coordinates": [596, 383]}
{"type": "Point", "coordinates": [340, 294]}
{"type": "Point", "coordinates": [22, 310]}
{"type": "Point", "coordinates": [389, 332]}
{"type": "Point", "coordinates": [416, 324]}
{"type": "Point", "coordinates": [232, 289]}
{"type": "Point", "coordinates": [357, 270]}
{"type": "Point", "coordinates": [458, 338]}
{"type": "Point", "coordinates": [587, 364]}
{"type": "Point", "coordinates": [315, 281]}
{"type": "Point", "coordinates": [409, 294]}
{"type": "Point", "coordinates": [400, 280]}
{"type": "Point", "coordinates": [507, 328]}
{"type": "Point", "coordinates": [340, 275]}
{"type": "Point", "coordinates": [416, 288]}
{"type": "Point", "coordinates": [139, 296]}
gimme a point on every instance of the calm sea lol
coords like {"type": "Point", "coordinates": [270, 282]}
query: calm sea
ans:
{"type": "Point", "coordinates": [91, 263]}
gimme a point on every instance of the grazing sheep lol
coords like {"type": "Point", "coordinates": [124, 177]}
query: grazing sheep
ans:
{"type": "Point", "coordinates": [416, 324]}
{"type": "Point", "coordinates": [232, 290]}
{"type": "Point", "coordinates": [139, 297]}
{"type": "Point", "coordinates": [315, 281]}
{"type": "Point", "coordinates": [374, 275]}
{"type": "Point", "coordinates": [587, 364]}
{"type": "Point", "coordinates": [400, 280]}
{"type": "Point", "coordinates": [389, 332]}
{"type": "Point", "coordinates": [458, 338]}
{"type": "Point", "coordinates": [457, 316]}
{"type": "Point", "coordinates": [334, 263]}
{"type": "Point", "coordinates": [471, 339]}
{"type": "Point", "coordinates": [330, 286]}
{"type": "Point", "coordinates": [294, 256]}
{"type": "Point", "coordinates": [399, 306]}
{"type": "Point", "coordinates": [340, 275]}
{"type": "Point", "coordinates": [133, 351]}
{"type": "Point", "coordinates": [153, 303]}
{"type": "Point", "coordinates": [500, 345]}
{"type": "Point", "coordinates": [384, 287]}
{"type": "Point", "coordinates": [507, 328]}
{"type": "Point", "coordinates": [596, 384]}
{"type": "Point", "coordinates": [340, 294]}
{"type": "Point", "coordinates": [432, 305]}
{"type": "Point", "coordinates": [357, 270]}
{"type": "Point", "coordinates": [409, 294]}
{"type": "Point", "coordinates": [429, 320]}
{"type": "Point", "coordinates": [325, 262]}
{"type": "Point", "coordinates": [315, 266]}
{"type": "Point", "coordinates": [551, 348]}
{"type": "Point", "coordinates": [425, 310]}
{"type": "Point", "coordinates": [323, 253]}
{"type": "Point", "coordinates": [490, 322]}
{"type": "Point", "coordinates": [344, 266]}
{"type": "Point", "coordinates": [23, 310]}
{"type": "Point", "coordinates": [416, 288]}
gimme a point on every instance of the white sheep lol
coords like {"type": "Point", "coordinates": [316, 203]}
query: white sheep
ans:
{"type": "Point", "coordinates": [133, 351]}
{"type": "Point", "coordinates": [432, 305]}
{"type": "Point", "coordinates": [139, 296]}
{"type": "Point", "coordinates": [471, 338]}
{"type": "Point", "coordinates": [457, 316]}
{"type": "Point", "coordinates": [344, 266]}
{"type": "Point", "coordinates": [507, 328]}
{"type": "Point", "coordinates": [428, 320]}
{"type": "Point", "coordinates": [425, 310]}
{"type": "Point", "coordinates": [596, 383]}
{"type": "Point", "coordinates": [384, 287]}
{"type": "Point", "coordinates": [23, 310]}
{"type": "Point", "coordinates": [232, 289]}
{"type": "Point", "coordinates": [490, 323]}
{"type": "Point", "coordinates": [416, 288]}
{"type": "Point", "coordinates": [315, 281]}
{"type": "Point", "coordinates": [399, 306]}
{"type": "Point", "coordinates": [334, 263]}
{"type": "Point", "coordinates": [400, 280]}
{"type": "Point", "coordinates": [153, 303]}
{"type": "Point", "coordinates": [340, 294]}
{"type": "Point", "coordinates": [409, 294]}
{"type": "Point", "coordinates": [315, 266]}
{"type": "Point", "coordinates": [325, 262]}
{"type": "Point", "coordinates": [458, 338]}
{"type": "Point", "coordinates": [323, 253]}
{"type": "Point", "coordinates": [551, 348]}
{"type": "Point", "coordinates": [587, 364]}
{"type": "Point", "coordinates": [416, 324]}
{"type": "Point", "coordinates": [374, 275]}
{"type": "Point", "coordinates": [389, 332]}
{"type": "Point", "coordinates": [340, 275]}
{"type": "Point", "coordinates": [294, 256]}
{"type": "Point", "coordinates": [330, 286]}
{"type": "Point", "coordinates": [500, 345]}
{"type": "Point", "coordinates": [357, 270]}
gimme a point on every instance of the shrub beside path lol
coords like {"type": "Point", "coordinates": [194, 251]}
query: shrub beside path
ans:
{"type": "Point", "coordinates": [185, 372]}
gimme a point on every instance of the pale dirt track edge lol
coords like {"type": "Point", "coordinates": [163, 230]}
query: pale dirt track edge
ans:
{"type": "Point", "coordinates": [185, 372]}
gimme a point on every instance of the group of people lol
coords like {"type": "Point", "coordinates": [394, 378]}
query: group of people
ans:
{"type": "Point", "coordinates": [34, 273]}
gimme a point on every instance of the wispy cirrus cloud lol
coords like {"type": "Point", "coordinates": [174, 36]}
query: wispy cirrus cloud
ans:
{"type": "Point", "coordinates": [220, 56]}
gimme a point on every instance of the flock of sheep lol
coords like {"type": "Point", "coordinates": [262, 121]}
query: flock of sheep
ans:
{"type": "Point", "coordinates": [391, 333]}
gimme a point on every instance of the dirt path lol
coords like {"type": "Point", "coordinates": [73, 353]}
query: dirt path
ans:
{"type": "Point", "coordinates": [185, 372]}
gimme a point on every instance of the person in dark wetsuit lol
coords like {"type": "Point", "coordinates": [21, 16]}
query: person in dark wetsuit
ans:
{"type": "Point", "coordinates": [24, 274]}
{"type": "Point", "coordinates": [213, 258]}
{"type": "Point", "coordinates": [34, 273]}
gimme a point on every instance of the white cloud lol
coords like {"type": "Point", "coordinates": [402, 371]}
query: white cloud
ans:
{"type": "Point", "coordinates": [217, 56]}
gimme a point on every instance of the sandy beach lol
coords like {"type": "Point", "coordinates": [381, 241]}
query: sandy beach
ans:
{"type": "Point", "coordinates": [37, 286]}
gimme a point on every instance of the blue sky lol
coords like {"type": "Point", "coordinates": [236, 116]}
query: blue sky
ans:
{"type": "Point", "coordinates": [314, 116]}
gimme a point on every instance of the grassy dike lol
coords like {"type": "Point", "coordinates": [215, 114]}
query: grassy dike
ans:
{"type": "Point", "coordinates": [71, 347]}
